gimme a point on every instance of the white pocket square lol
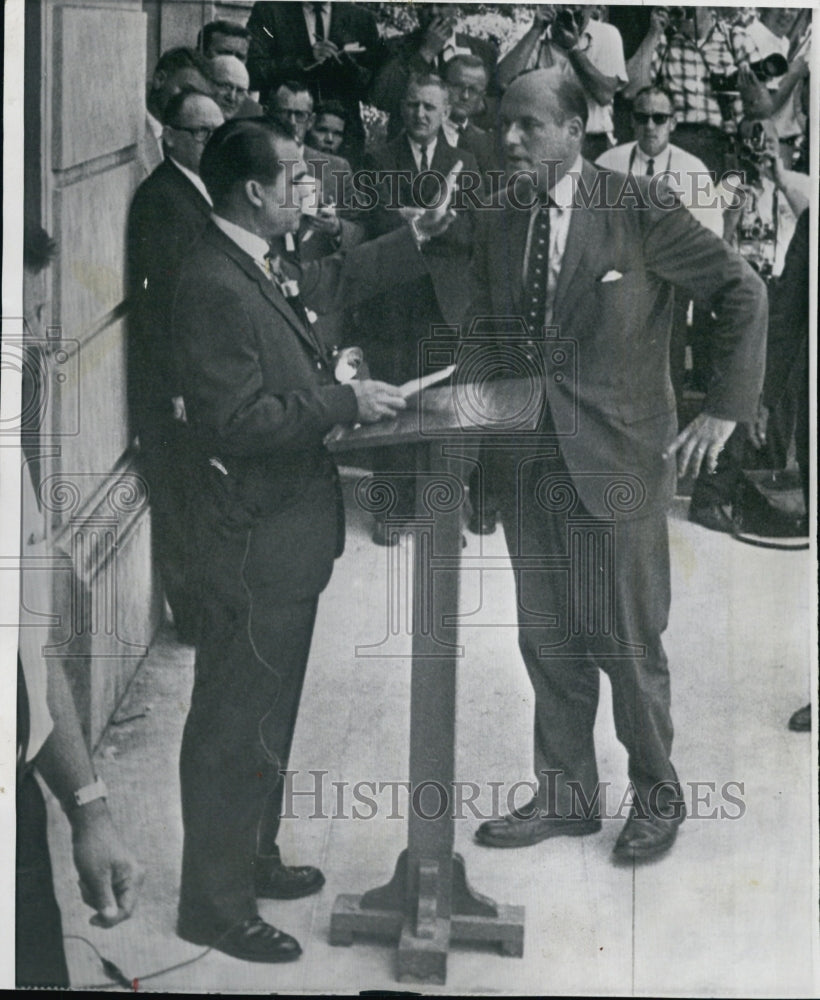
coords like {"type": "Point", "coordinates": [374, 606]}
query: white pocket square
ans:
{"type": "Point", "coordinates": [612, 276]}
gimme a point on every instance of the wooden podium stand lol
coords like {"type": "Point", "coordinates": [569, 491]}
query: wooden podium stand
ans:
{"type": "Point", "coordinates": [428, 903]}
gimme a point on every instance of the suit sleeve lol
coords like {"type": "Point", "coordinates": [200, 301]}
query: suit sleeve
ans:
{"type": "Point", "coordinates": [218, 358]}
{"type": "Point", "coordinates": [262, 64]}
{"type": "Point", "coordinates": [352, 276]}
{"type": "Point", "coordinates": [677, 249]}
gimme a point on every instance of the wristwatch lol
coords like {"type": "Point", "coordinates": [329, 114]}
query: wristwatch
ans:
{"type": "Point", "coordinates": [89, 793]}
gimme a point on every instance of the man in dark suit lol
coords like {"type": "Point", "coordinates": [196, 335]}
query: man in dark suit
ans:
{"type": "Point", "coordinates": [466, 79]}
{"type": "Point", "coordinates": [168, 213]}
{"type": "Point", "coordinates": [585, 498]}
{"type": "Point", "coordinates": [333, 47]}
{"type": "Point", "coordinates": [260, 399]}
{"type": "Point", "coordinates": [428, 49]}
{"type": "Point", "coordinates": [395, 322]}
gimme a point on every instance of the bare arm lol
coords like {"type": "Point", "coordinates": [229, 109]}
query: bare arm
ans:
{"type": "Point", "coordinates": [109, 875]}
{"type": "Point", "coordinates": [518, 58]}
{"type": "Point", "coordinates": [639, 67]}
{"type": "Point", "coordinates": [602, 88]}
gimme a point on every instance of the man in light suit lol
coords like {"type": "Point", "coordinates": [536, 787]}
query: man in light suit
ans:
{"type": "Point", "coordinates": [596, 272]}
{"type": "Point", "coordinates": [260, 399]}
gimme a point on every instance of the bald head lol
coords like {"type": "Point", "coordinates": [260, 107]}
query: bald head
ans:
{"type": "Point", "coordinates": [543, 118]}
{"type": "Point", "coordinates": [230, 83]}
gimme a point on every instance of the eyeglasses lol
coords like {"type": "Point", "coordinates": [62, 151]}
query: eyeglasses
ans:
{"type": "Point", "coordinates": [659, 118]}
{"type": "Point", "coordinates": [466, 90]}
{"type": "Point", "coordinates": [201, 134]}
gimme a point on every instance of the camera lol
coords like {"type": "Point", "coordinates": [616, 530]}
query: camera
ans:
{"type": "Point", "coordinates": [766, 69]}
{"type": "Point", "coordinates": [569, 20]}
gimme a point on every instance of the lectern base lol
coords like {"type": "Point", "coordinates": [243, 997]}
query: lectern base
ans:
{"type": "Point", "coordinates": [423, 943]}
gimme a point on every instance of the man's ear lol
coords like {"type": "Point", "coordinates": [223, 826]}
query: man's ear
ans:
{"type": "Point", "coordinates": [253, 192]}
{"type": "Point", "coordinates": [672, 123]}
{"type": "Point", "coordinates": [168, 136]}
{"type": "Point", "coordinates": [575, 127]}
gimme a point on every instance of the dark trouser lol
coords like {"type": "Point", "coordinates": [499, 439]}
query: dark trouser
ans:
{"type": "Point", "coordinates": [599, 601]}
{"type": "Point", "coordinates": [720, 486]}
{"type": "Point", "coordinates": [39, 954]}
{"type": "Point", "coordinates": [595, 145]}
{"type": "Point", "coordinates": [396, 468]}
{"type": "Point", "coordinates": [249, 672]}
{"type": "Point", "coordinates": [167, 463]}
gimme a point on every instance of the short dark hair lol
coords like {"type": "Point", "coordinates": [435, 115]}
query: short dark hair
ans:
{"type": "Point", "coordinates": [335, 108]}
{"type": "Point", "coordinates": [468, 62]}
{"type": "Point", "coordinates": [173, 109]}
{"type": "Point", "coordinates": [39, 249]}
{"type": "Point", "coordinates": [655, 88]}
{"type": "Point", "coordinates": [294, 86]}
{"type": "Point", "coordinates": [242, 149]}
{"type": "Point", "coordinates": [233, 29]}
{"type": "Point", "coordinates": [182, 57]}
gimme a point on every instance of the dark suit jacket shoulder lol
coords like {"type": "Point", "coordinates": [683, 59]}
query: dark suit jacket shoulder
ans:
{"type": "Point", "coordinates": [166, 218]}
{"type": "Point", "coordinates": [280, 48]}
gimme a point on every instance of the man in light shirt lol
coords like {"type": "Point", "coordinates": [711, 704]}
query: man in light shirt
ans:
{"type": "Point", "coordinates": [566, 37]}
{"type": "Point", "coordinates": [653, 155]}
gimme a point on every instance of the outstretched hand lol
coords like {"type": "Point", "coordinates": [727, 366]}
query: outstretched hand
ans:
{"type": "Point", "coordinates": [703, 439]}
{"type": "Point", "coordinates": [436, 220]}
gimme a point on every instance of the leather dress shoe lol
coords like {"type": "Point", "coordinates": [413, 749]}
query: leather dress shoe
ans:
{"type": "Point", "coordinates": [252, 940]}
{"type": "Point", "coordinates": [384, 534]}
{"type": "Point", "coordinates": [800, 722]}
{"type": "Point", "coordinates": [712, 516]}
{"type": "Point", "coordinates": [526, 826]}
{"type": "Point", "coordinates": [645, 836]}
{"type": "Point", "coordinates": [287, 882]}
{"type": "Point", "coordinates": [482, 522]}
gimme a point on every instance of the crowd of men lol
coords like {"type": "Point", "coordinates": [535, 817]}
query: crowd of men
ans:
{"type": "Point", "coordinates": [281, 220]}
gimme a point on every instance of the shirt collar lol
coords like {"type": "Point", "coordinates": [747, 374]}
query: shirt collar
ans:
{"type": "Point", "coordinates": [311, 7]}
{"type": "Point", "coordinates": [430, 147]}
{"type": "Point", "coordinates": [253, 245]}
{"type": "Point", "coordinates": [155, 125]}
{"type": "Point", "coordinates": [195, 179]}
{"type": "Point", "coordinates": [562, 194]}
{"type": "Point", "coordinates": [452, 131]}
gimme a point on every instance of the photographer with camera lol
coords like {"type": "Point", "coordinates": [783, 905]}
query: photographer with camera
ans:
{"type": "Point", "coordinates": [701, 59]}
{"type": "Point", "coordinates": [768, 43]}
{"type": "Point", "coordinates": [566, 37]}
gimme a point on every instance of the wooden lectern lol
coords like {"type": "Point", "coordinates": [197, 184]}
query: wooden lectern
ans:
{"type": "Point", "coordinates": [428, 903]}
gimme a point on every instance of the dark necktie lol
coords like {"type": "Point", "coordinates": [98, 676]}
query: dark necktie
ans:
{"type": "Point", "coordinates": [650, 168]}
{"type": "Point", "coordinates": [424, 163]}
{"type": "Point", "coordinates": [537, 270]}
{"type": "Point", "coordinates": [318, 11]}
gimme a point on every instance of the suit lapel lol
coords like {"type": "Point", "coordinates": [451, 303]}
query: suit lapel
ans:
{"type": "Point", "coordinates": [581, 233]}
{"type": "Point", "coordinates": [297, 30]}
{"type": "Point", "coordinates": [266, 286]}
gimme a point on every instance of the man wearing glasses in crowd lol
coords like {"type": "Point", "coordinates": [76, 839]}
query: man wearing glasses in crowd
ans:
{"type": "Point", "coordinates": [169, 211]}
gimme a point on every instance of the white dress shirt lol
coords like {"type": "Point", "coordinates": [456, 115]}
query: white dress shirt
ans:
{"type": "Point", "coordinates": [452, 131]}
{"type": "Point", "coordinates": [310, 20]}
{"type": "Point", "coordinates": [561, 201]}
{"type": "Point", "coordinates": [195, 179]}
{"type": "Point", "coordinates": [683, 174]}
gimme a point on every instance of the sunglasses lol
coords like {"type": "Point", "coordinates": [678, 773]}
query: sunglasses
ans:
{"type": "Point", "coordinates": [659, 117]}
